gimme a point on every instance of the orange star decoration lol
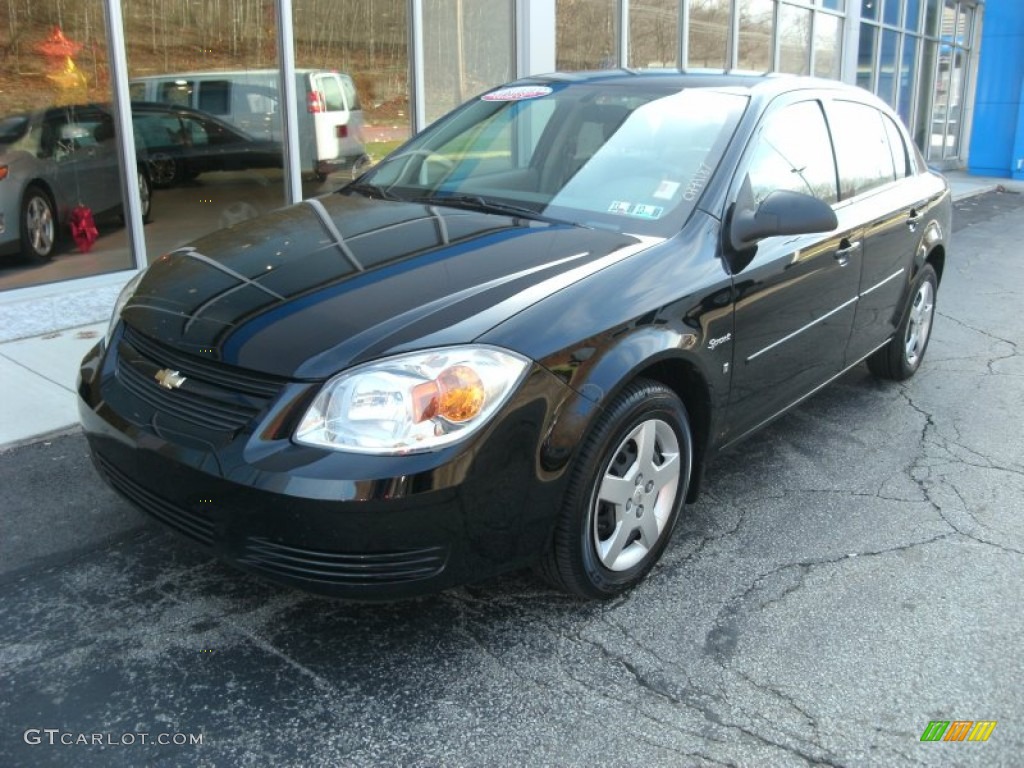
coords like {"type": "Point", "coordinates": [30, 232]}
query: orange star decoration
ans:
{"type": "Point", "coordinates": [71, 82]}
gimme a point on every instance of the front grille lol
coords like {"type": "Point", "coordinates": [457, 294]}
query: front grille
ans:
{"type": "Point", "coordinates": [214, 396]}
{"type": "Point", "coordinates": [340, 568]}
{"type": "Point", "coordinates": [228, 377]}
{"type": "Point", "coordinates": [189, 523]}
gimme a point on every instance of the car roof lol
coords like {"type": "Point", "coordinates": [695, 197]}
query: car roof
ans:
{"type": "Point", "coordinates": [756, 83]}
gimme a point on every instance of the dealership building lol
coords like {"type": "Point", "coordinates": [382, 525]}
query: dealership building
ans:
{"type": "Point", "coordinates": [952, 69]}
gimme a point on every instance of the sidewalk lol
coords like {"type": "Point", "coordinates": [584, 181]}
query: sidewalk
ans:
{"type": "Point", "coordinates": [37, 373]}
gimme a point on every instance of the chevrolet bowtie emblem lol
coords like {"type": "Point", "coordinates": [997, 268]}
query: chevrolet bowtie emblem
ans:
{"type": "Point", "coordinates": [169, 379]}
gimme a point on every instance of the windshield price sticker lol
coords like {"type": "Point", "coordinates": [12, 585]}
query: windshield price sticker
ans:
{"type": "Point", "coordinates": [517, 93]}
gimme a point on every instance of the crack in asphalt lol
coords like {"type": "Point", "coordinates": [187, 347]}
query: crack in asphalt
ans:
{"type": "Point", "coordinates": [991, 361]}
{"type": "Point", "coordinates": [921, 474]}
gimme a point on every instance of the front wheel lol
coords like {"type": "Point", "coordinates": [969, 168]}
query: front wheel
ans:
{"type": "Point", "coordinates": [625, 494]}
{"type": "Point", "coordinates": [38, 226]}
{"type": "Point", "coordinates": [901, 357]}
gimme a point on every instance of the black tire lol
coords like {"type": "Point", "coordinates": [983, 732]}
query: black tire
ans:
{"type": "Point", "coordinates": [164, 170]}
{"type": "Point", "coordinates": [39, 226]}
{"type": "Point", "coordinates": [145, 194]}
{"type": "Point", "coordinates": [901, 357]}
{"type": "Point", "coordinates": [602, 548]}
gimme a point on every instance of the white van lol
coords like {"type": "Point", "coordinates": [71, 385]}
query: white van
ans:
{"type": "Point", "coordinates": [330, 117]}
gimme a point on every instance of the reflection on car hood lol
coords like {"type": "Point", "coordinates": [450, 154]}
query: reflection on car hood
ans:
{"type": "Point", "coordinates": [311, 289]}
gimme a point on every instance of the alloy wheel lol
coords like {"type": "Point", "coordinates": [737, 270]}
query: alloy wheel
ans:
{"type": "Point", "coordinates": [636, 495]}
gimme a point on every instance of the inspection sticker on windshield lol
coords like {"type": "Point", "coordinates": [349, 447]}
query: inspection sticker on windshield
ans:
{"type": "Point", "coordinates": [639, 210]}
{"type": "Point", "coordinates": [517, 93]}
{"type": "Point", "coordinates": [666, 190]}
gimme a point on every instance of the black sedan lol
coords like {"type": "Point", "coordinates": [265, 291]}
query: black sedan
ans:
{"type": "Point", "coordinates": [523, 336]}
{"type": "Point", "coordinates": [180, 143]}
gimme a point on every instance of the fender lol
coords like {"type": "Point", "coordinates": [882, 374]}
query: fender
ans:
{"type": "Point", "coordinates": [658, 351]}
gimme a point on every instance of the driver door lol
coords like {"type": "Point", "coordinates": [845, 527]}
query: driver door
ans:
{"type": "Point", "coordinates": [795, 300]}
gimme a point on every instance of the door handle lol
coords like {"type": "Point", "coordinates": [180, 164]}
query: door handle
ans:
{"type": "Point", "coordinates": [846, 250]}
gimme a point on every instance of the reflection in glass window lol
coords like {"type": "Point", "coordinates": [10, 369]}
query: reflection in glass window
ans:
{"type": "Point", "coordinates": [866, 56]}
{"type": "Point", "coordinates": [794, 39]}
{"type": "Point", "coordinates": [828, 45]}
{"type": "Point", "coordinates": [654, 33]}
{"type": "Point", "coordinates": [708, 38]}
{"type": "Point", "coordinates": [869, 9]}
{"type": "Point", "coordinates": [862, 147]}
{"type": "Point", "coordinates": [886, 88]}
{"type": "Point", "coordinates": [907, 62]}
{"type": "Point", "coordinates": [933, 13]}
{"type": "Point", "coordinates": [892, 12]}
{"type": "Point", "coordinates": [912, 15]}
{"type": "Point", "coordinates": [585, 32]}
{"type": "Point", "coordinates": [467, 49]}
{"type": "Point", "coordinates": [755, 35]}
{"type": "Point", "coordinates": [793, 152]}
{"type": "Point", "coordinates": [923, 126]}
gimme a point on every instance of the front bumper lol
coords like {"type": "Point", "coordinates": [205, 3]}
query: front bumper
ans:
{"type": "Point", "coordinates": [360, 527]}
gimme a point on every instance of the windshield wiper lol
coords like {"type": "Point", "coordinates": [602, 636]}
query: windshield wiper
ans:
{"type": "Point", "coordinates": [367, 189]}
{"type": "Point", "coordinates": [478, 203]}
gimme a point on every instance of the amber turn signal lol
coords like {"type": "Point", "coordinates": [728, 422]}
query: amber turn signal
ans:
{"type": "Point", "coordinates": [457, 394]}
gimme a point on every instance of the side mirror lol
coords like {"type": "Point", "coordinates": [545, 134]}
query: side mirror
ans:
{"type": "Point", "coordinates": [781, 213]}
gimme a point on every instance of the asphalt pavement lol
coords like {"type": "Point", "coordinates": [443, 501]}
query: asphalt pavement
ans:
{"type": "Point", "coordinates": [851, 574]}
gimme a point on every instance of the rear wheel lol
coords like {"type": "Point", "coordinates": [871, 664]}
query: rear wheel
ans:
{"type": "Point", "coordinates": [38, 226]}
{"type": "Point", "coordinates": [164, 170]}
{"type": "Point", "coordinates": [624, 495]}
{"type": "Point", "coordinates": [145, 194]}
{"type": "Point", "coordinates": [901, 357]}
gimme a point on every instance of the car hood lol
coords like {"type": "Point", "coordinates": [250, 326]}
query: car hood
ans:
{"type": "Point", "coordinates": [309, 290]}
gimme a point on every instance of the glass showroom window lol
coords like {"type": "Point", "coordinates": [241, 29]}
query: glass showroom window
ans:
{"type": "Point", "coordinates": [754, 43]}
{"type": "Point", "coordinates": [368, 42]}
{"type": "Point", "coordinates": [654, 33]}
{"type": "Point", "coordinates": [586, 34]}
{"type": "Point", "coordinates": [206, 111]}
{"type": "Point", "coordinates": [794, 40]}
{"type": "Point", "coordinates": [60, 188]}
{"type": "Point", "coordinates": [467, 49]}
{"type": "Point", "coordinates": [708, 36]}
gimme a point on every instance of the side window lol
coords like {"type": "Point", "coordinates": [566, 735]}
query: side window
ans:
{"type": "Point", "coordinates": [900, 158]}
{"type": "Point", "coordinates": [215, 97]}
{"type": "Point", "coordinates": [862, 147]}
{"type": "Point", "coordinates": [137, 91]}
{"type": "Point", "coordinates": [792, 151]}
{"type": "Point", "coordinates": [192, 133]}
{"type": "Point", "coordinates": [177, 92]}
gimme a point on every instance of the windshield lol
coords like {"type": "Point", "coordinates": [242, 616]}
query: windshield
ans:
{"type": "Point", "coordinates": [12, 128]}
{"type": "Point", "coordinates": [633, 158]}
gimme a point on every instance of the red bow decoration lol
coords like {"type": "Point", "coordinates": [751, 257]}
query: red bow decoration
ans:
{"type": "Point", "coordinates": [83, 228]}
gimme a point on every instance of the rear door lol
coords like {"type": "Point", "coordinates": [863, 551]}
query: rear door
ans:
{"type": "Point", "coordinates": [795, 302]}
{"type": "Point", "coordinates": [874, 164]}
{"type": "Point", "coordinates": [336, 126]}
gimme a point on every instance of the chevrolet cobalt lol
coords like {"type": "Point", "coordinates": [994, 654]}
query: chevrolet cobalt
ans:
{"type": "Point", "coordinates": [520, 339]}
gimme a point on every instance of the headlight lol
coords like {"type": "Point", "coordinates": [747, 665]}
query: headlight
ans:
{"type": "Point", "coordinates": [122, 298]}
{"type": "Point", "coordinates": [414, 402]}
